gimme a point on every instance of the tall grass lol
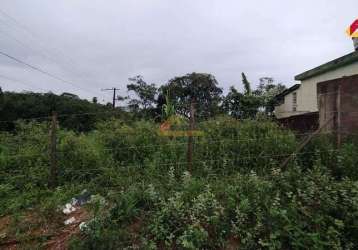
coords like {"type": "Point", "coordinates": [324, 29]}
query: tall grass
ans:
{"type": "Point", "coordinates": [236, 196]}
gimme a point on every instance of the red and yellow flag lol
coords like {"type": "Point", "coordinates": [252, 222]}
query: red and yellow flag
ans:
{"type": "Point", "coordinates": [352, 30]}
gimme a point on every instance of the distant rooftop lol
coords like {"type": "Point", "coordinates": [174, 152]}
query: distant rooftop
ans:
{"type": "Point", "coordinates": [332, 65]}
{"type": "Point", "coordinates": [287, 91]}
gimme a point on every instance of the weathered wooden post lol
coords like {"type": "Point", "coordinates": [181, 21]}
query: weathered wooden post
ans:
{"type": "Point", "coordinates": [190, 136]}
{"type": "Point", "coordinates": [338, 117]}
{"type": "Point", "coordinates": [52, 182]}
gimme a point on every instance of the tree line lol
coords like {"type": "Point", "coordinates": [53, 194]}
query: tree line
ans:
{"type": "Point", "coordinates": [75, 113]}
{"type": "Point", "coordinates": [203, 90]}
{"type": "Point", "coordinates": [146, 101]}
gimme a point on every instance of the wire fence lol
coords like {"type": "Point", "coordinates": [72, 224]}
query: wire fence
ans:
{"type": "Point", "coordinates": [226, 154]}
{"type": "Point", "coordinates": [199, 140]}
{"type": "Point", "coordinates": [48, 117]}
{"type": "Point", "coordinates": [276, 158]}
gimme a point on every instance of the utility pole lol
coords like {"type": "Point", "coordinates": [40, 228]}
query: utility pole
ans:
{"type": "Point", "coordinates": [114, 95]}
{"type": "Point", "coordinates": [52, 182]}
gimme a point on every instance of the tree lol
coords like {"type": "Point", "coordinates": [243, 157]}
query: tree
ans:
{"type": "Point", "coordinates": [73, 112]}
{"type": "Point", "coordinates": [241, 106]}
{"type": "Point", "coordinates": [199, 88]}
{"type": "Point", "coordinates": [145, 101]}
{"type": "Point", "coordinates": [250, 103]}
{"type": "Point", "coordinates": [1, 99]}
{"type": "Point", "coordinates": [267, 90]}
{"type": "Point", "coordinates": [232, 103]}
{"type": "Point", "coordinates": [246, 83]}
{"type": "Point", "coordinates": [94, 100]}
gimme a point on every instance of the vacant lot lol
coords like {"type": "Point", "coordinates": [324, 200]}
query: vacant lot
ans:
{"type": "Point", "coordinates": [237, 195]}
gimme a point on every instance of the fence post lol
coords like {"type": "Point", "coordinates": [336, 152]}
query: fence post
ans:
{"type": "Point", "coordinates": [305, 142]}
{"type": "Point", "coordinates": [190, 137]}
{"type": "Point", "coordinates": [339, 132]}
{"type": "Point", "coordinates": [52, 181]}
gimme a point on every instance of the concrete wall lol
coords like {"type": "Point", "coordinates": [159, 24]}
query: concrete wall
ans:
{"type": "Point", "coordinates": [286, 108]}
{"type": "Point", "coordinates": [307, 100]}
{"type": "Point", "coordinates": [348, 112]}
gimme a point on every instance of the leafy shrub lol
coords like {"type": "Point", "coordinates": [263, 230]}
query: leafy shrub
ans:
{"type": "Point", "coordinates": [294, 210]}
{"type": "Point", "coordinates": [81, 157]}
{"type": "Point", "coordinates": [348, 161]}
{"type": "Point", "coordinates": [188, 219]}
{"type": "Point", "coordinates": [230, 145]}
{"type": "Point", "coordinates": [236, 192]}
{"type": "Point", "coordinates": [25, 156]}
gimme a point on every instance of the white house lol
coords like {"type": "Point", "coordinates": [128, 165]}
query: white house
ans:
{"type": "Point", "coordinates": [302, 98]}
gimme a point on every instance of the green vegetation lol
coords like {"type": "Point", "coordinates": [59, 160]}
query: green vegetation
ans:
{"type": "Point", "coordinates": [76, 114]}
{"type": "Point", "coordinates": [146, 101]}
{"type": "Point", "coordinates": [237, 196]}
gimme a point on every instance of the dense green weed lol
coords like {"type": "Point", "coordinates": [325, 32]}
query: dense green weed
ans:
{"type": "Point", "coordinates": [236, 190]}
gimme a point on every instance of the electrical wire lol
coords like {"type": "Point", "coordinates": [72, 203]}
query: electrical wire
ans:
{"type": "Point", "coordinates": [63, 115]}
{"type": "Point", "coordinates": [38, 39]}
{"type": "Point", "coordinates": [45, 52]}
{"type": "Point", "coordinates": [42, 71]}
{"type": "Point", "coordinates": [22, 83]}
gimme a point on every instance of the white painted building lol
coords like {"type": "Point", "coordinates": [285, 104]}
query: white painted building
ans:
{"type": "Point", "coordinates": [302, 98]}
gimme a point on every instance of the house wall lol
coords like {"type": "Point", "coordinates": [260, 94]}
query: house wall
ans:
{"type": "Point", "coordinates": [308, 100]}
{"type": "Point", "coordinates": [328, 111]}
{"type": "Point", "coordinates": [286, 109]}
{"type": "Point", "coordinates": [307, 93]}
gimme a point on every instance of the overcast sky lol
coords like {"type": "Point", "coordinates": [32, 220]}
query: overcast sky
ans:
{"type": "Point", "coordinates": [94, 44]}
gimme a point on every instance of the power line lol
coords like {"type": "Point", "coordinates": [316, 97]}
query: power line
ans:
{"type": "Point", "coordinates": [115, 98]}
{"type": "Point", "coordinates": [20, 82]}
{"type": "Point", "coordinates": [32, 34]}
{"type": "Point", "coordinates": [43, 53]}
{"type": "Point", "coordinates": [43, 71]}
{"type": "Point", "coordinates": [14, 20]}
{"type": "Point", "coordinates": [62, 115]}
{"type": "Point", "coordinates": [48, 54]}
{"type": "Point", "coordinates": [37, 38]}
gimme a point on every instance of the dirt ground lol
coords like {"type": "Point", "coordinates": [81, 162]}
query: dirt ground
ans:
{"type": "Point", "coordinates": [31, 231]}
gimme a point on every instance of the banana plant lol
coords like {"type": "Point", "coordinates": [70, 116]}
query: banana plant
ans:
{"type": "Point", "coordinates": [168, 109]}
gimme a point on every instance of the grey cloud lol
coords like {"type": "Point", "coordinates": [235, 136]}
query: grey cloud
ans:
{"type": "Point", "coordinates": [99, 44]}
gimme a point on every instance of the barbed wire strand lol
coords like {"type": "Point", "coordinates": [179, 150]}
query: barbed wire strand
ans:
{"type": "Point", "coordinates": [201, 141]}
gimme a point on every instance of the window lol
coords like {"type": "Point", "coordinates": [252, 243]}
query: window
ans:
{"type": "Point", "coordinates": [294, 101]}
